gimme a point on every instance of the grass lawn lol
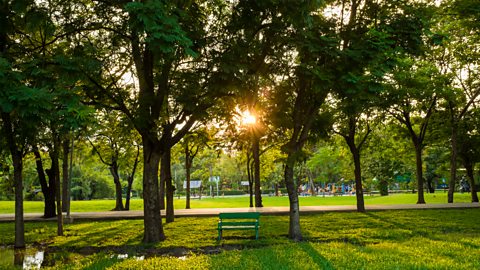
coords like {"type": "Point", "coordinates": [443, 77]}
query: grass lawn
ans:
{"type": "Point", "coordinates": [415, 239]}
{"type": "Point", "coordinates": [242, 201]}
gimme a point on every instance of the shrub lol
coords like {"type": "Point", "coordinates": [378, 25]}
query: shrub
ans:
{"type": "Point", "coordinates": [272, 191]}
{"type": "Point", "coordinates": [232, 192]}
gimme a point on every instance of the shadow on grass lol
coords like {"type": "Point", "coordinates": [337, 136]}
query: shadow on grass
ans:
{"type": "Point", "coordinates": [319, 260]}
{"type": "Point", "coordinates": [384, 220]}
{"type": "Point", "coordinates": [434, 234]}
{"type": "Point", "coordinates": [95, 234]}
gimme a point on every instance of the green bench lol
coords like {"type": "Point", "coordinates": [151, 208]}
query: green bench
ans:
{"type": "Point", "coordinates": [238, 221]}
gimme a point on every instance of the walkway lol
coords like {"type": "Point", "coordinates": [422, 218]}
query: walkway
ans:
{"type": "Point", "coordinates": [264, 210]}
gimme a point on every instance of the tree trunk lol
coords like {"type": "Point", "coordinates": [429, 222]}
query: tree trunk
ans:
{"type": "Point", "coordinates": [18, 184]}
{"type": "Point", "coordinates": [161, 191]}
{"type": "Point", "coordinates": [17, 180]}
{"type": "Point", "coordinates": [294, 231]}
{"type": "Point", "coordinates": [358, 177]}
{"type": "Point", "coordinates": [153, 229]}
{"type": "Point", "coordinates": [48, 189]}
{"type": "Point", "coordinates": [65, 178]}
{"type": "Point", "coordinates": [256, 171]}
{"type": "Point", "coordinates": [166, 175]}
{"type": "Point", "coordinates": [250, 180]}
{"type": "Point", "coordinates": [129, 191]}
{"type": "Point", "coordinates": [54, 173]}
{"type": "Point", "coordinates": [130, 179]}
{"type": "Point", "coordinates": [473, 189]}
{"type": "Point", "coordinates": [118, 186]}
{"type": "Point", "coordinates": [312, 184]}
{"type": "Point", "coordinates": [19, 257]}
{"type": "Point", "coordinates": [188, 165]}
{"type": "Point", "coordinates": [419, 173]}
{"type": "Point", "coordinates": [453, 163]}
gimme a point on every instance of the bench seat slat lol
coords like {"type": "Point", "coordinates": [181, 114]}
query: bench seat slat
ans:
{"type": "Point", "coordinates": [238, 228]}
{"type": "Point", "coordinates": [243, 223]}
{"type": "Point", "coordinates": [246, 215]}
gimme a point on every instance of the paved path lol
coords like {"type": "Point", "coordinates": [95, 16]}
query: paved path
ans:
{"type": "Point", "coordinates": [264, 210]}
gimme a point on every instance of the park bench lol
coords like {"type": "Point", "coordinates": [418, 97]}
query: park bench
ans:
{"type": "Point", "coordinates": [238, 221]}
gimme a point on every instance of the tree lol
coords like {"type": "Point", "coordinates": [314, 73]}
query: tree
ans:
{"type": "Point", "coordinates": [469, 147]}
{"type": "Point", "coordinates": [48, 188]}
{"type": "Point", "coordinates": [328, 163]}
{"type": "Point", "coordinates": [372, 36]}
{"type": "Point", "coordinates": [192, 143]}
{"type": "Point", "coordinates": [355, 140]}
{"type": "Point", "coordinates": [387, 155]}
{"type": "Point", "coordinates": [456, 56]}
{"type": "Point", "coordinates": [20, 103]}
{"type": "Point", "coordinates": [112, 142]}
{"type": "Point", "coordinates": [298, 99]}
{"type": "Point", "coordinates": [130, 171]}
{"type": "Point", "coordinates": [414, 97]}
{"type": "Point", "coordinates": [67, 151]}
{"type": "Point", "coordinates": [176, 64]}
{"type": "Point", "coordinates": [468, 11]}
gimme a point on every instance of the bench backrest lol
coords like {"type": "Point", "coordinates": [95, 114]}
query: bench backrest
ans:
{"type": "Point", "coordinates": [241, 215]}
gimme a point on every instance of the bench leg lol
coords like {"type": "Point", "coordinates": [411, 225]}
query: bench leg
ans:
{"type": "Point", "coordinates": [256, 233]}
{"type": "Point", "coordinates": [219, 234]}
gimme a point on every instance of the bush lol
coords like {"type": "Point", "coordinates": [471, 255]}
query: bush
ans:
{"type": "Point", "coordinates": [34, 195]}
{"type": "Point", "coordinates": [102, 188]}
{"type": "Point", "coordinates": [272, 191]}
{"type": "Point", "coordinates": [232, 192]}
{"type": "Point", "coordinates": [382, 186]}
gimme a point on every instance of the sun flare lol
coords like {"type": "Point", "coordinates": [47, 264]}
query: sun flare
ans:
{"type": "Point", "coordinates": [248, 118]}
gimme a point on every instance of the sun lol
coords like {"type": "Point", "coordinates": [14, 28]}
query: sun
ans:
{"type": "Point", "coordinates": [248, 118]}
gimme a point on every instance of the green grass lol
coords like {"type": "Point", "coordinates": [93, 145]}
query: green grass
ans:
{"type": "Point", "coordinates": [419, 239]}
{"type": "Point", "coordinates": [7, 207]}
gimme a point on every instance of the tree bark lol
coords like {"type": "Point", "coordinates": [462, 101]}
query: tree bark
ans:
{"type": "Point", "coordinates": [65, 178]}
{"type": "Point", "coordinates": [17, 179]}
{"type": "Point", "coordinates": [250, 180]}
{"type": "Point", "coordinates": [256, 171]}
{"type": "Point", "coordinates": [118, 186]}
{"type": "Point", "coordinates": [18, 184]}
{"type": "Point", "coordinates": [153, 229]}
{"type": "Point", "coordinates": [161, 191]}
{"type": "Point", "coordinates": [188, 165]}
{"type": "Point", "coordinates": [54, 173]}
{"type": "Point", "coordinates": [453, 162]}
{"type": "Point", "coordinates": [48, 189]}
{"type": "Point", "coordinates": [473, 189]}
{"type": "Point", "coordinates": [312, 184]}
{"type": "Point", "coordinates": [419, 173]}
{"type": "Point", "coordinates": [130, 179]}
{"type": "Point", "coordinates": [355, 150]}
{"type": "Point", "coordinates": [166, 175]}
{"type": "Point", "coordinates": [294, 231]}
{"type": "Point", "coordinates": [19, 257]}
{"type": "Point", "coordinates": [129, 191]}
{"type": "Point", "coordinates": [358, 180]}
